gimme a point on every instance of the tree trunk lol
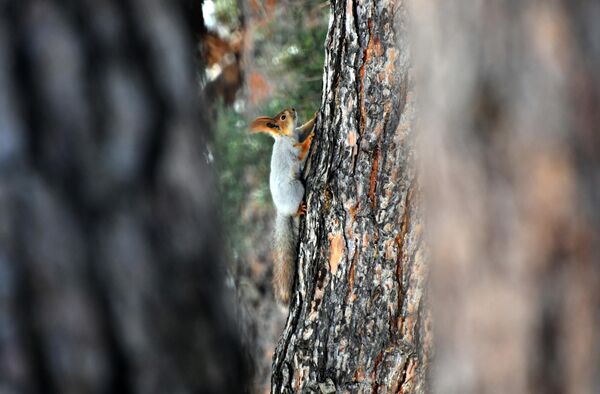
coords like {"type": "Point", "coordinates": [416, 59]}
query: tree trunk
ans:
{"type": "Point", "coordinates": [357, 319]}
{"type": "Point", "coordinates": [109, 259]}
{"type": "Point", "coordinates": [511, 124]}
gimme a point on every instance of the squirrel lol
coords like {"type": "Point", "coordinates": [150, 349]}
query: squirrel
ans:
{"type": "Point", "coordinates": [287, 160]}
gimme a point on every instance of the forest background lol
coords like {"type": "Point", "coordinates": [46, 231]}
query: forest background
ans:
{"type": "Point", "coordinates": [262, 57]}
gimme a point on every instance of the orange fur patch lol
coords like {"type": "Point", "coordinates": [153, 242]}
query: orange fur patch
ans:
{"type": "Point", "coordinates": [304, 146]}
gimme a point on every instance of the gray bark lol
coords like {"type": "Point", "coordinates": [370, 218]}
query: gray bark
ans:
{"type": "Point", "coordinates": [511, 125]}
{"type": "Point", "coordinates": [109, 255]}
{"type": "Point", "coordinates": [357, 318]}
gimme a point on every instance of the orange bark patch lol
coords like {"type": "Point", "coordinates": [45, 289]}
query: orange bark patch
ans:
{"type": "Point", "coordinates": [352, 138]}
{"type": "Point", "coordinates": [400, 239]}
{"type": "Point", "coordinates": [387, 107]}
{"type": "Point", "coordinates": [352, 211]}
{"type": "Point", "coordinates": [336, 251]}
{"type": "Point", "coordinates": [297, 379]}
{"type": "Point", "coordinates": [366, 239]}
{"type": "Point", "coordinates": [399, 256]}
{"type": "Point", "coordinates": [366, 59]}
{"type": "Point", "coordinates": [373, 178]}
{"type": "Point", "coordinates": [377, 130]}
{"type": "Point", "coordinates": [390, 68]}
{"type": "Point", "coordinates": [410, 375]}
{"type": "Point", "coordinates": [375, 367]}
{"type": "Point", "coordinates": [359, 375]}
{"type": "Point", "coordinates": [408, 328]}
{"type": "Point", "coordinates": [351, 277]}
{"type": "Point", "coordinates": [377, 46]}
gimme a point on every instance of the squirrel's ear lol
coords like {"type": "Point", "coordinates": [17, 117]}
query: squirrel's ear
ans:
{"type": "Point", "coordinates": [264, 124]}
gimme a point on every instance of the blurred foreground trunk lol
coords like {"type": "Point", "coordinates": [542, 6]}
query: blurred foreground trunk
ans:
{"type": "Point", "coordinates": [356, 321]}
{"type": "Point", "coordinates": [109, 257]}
{"type": "Point", "coordinates": [511, 125]}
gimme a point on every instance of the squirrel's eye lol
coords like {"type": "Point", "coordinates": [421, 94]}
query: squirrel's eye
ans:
{"type": "Point", "coordinates": [283, 117]}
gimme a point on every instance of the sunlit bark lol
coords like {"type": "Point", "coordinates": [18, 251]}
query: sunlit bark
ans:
{"type": "Point", "coordinates": [357, 319]}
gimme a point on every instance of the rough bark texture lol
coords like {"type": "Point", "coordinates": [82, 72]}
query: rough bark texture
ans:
{"type": "Point", "coordinates": [512, 146]}
{"type": "Point", "coordinates": [109, 260]}
{"type": "Point", "coordinates": [356, 321]}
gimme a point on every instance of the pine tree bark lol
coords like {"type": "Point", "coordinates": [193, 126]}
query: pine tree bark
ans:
{"type": "Point", "coordinates": [109, 260]}
{"type": "Point", "coordinates": [511, 125]}
{"type": "Point", "coordinates": [357, 321]}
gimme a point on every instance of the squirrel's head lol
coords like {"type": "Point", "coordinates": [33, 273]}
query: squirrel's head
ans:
{"type": "Point", "coordinates": [283, 123]}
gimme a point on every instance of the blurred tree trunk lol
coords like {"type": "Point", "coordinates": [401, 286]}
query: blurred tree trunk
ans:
{"type": "Point", "coordinates": [357, 320]}
{"type": "Point", "coordinates": [512, 153]}
{"type": "Point", "coordinates": [109, 259]}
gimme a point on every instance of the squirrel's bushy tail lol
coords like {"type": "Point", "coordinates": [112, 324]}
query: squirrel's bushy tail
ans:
{"type": "Point", "coordinates": [284, 251]}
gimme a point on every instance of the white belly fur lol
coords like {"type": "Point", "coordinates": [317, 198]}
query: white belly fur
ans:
{"type": "Point", "coordinates": [286, 189]}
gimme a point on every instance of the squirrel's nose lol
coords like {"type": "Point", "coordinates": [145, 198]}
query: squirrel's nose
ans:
{"type": "Point", "coordinates": [294, 110]}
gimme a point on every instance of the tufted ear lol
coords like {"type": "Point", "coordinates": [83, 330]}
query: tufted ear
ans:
{"type": "Point", "coordinates": [264, 124]}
